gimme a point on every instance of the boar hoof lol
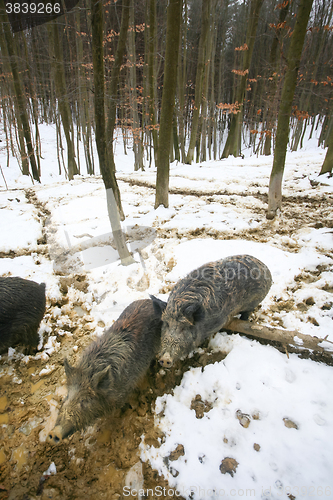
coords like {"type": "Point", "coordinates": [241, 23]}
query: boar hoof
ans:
{"type": "Point", "coordinates": [165, 361]}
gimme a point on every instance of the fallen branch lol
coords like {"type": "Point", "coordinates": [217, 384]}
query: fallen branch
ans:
{"type": "Point", "coordinates": [285, 337]}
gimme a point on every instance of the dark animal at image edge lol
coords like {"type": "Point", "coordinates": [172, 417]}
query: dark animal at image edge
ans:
{"type": "Point", "coordinates": [206, 300]}
{"type": "Point", "coordinates": [22, 307]}
{"type": "Point", "coordinates": [109, 369]}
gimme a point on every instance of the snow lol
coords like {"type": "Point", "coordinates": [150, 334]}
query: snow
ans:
{"type": "Point", "coordinates": [264, 384]}
{"type": "Point", "coordinates": [286, 400]}
{"type": "Point", "coordinates": [51, 470]}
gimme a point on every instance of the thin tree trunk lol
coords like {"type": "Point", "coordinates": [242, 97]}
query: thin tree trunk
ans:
{"type": "Point", "coordinates": [206, 6]}
{"type": "Point", "coordinates": [273, 60]}
{"type": "Point", "coordinates": [180, 110]}
{"type": "Point", "coordinates": [327, 166]}
{"type": "Point", "coordinates": [288, 91]}
{"type": "Point", "coordinates": [233, 144]}
{"type": "Point", "coordinates": [136, 129]}
{"type": "Point", "coordinates": [61, 92]}
{"type": "Point", "coordinates": [168, 101]}
{"type": "Point", "coordinates": [83, 97]}
{"type": "Point", "coordinates": [152, 74]}
{"type": "Point", "coordinates": [107, 172]}
{"type": "Point", "coordinates": [19, 92]}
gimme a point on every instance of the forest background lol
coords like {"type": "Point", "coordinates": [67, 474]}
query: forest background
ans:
{"type": "Point", "coordinates": [230, 63]}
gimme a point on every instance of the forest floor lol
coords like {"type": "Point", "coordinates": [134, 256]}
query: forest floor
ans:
{"type": "Point", "coordinates": [97, 463]}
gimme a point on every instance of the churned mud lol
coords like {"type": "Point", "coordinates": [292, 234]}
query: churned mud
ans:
{"type": "Point", "coordinates": [90, 464]}
{"type": "Point", "coordinates": [100, 461]}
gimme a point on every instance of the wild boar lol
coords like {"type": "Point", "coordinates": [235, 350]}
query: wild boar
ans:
{"type": "Point", "coordinates": [206, 300]}
{"type": "Point", "coordinates": [22, 307]}
{"type": "Point", "coordinates": [109, 369]}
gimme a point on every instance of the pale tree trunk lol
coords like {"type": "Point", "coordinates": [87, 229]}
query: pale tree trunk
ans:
{"type": "Point", "coordinates": [107, 172]}
{"type": "Point", "coordinates": [288, 91]}
{"type": "Point", "coordinates": [84, 99]}
{"type": "Point", "coordinates": [168, 101]}
{"type": "Point", "coordinates": [327, 166]}
{"type": "Point", "coordinates": [182, 56]}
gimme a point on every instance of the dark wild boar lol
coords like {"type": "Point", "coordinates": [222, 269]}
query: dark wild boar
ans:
{"type": "Point", "coordinates": [109, 369]}
{"type": "Point", "coordinates": [206, 300]}
{"type": "Point", "coordinates": [22, 307]}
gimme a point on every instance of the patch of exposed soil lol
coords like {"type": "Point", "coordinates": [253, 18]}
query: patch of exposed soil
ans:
{"type": "Point", "coordinates": [91, 464]}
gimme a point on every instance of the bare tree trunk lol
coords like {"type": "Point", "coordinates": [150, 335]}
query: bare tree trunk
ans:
{"type": "Point", "coordinates": [113, 87]}
{"type": "Point", "coordinates": [19, 92]}
{"type": "Point", "coordinates": [288, 91]}
{"type": "Point", "coordinates": [233, 144]}
{"type": "Point", "coordinates": [327, 166]}
{"type": "Point", "coordinates": [181, 83]}
{"type": "Point", "coordinates": [273, 61]}
{"type": "Point", "coordinates": [107, 172]}
{"type": "Point", "coordinates": [168, 101]}
{"type": "Point", "coordinates": [136, 129]}
{"type": "Point", "coordinates": [152, 74]}
{"type": "Point", "coordinates": [206, 6]}
{"type": "Point", "coordinates": [61, 93]}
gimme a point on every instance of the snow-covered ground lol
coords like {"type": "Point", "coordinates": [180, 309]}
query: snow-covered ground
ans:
{"type": "Point", "coordinates": [266, 429]}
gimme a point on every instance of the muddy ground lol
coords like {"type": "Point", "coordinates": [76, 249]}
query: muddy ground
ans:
{"type": "Point", "coordinates": [94, 464]}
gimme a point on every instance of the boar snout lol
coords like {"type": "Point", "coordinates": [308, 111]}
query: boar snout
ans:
{"type": "Point", "coordinates": [59, 433]}
{"type": "Point", "coordinates": [55, 436]}
{"type": "Point", "coordinates": [166, 361]}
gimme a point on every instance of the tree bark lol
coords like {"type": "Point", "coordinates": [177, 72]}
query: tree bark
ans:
{"type": "Point", "coordinates": [61, 94]}
{"type": "Point", "coordinates": [152, 74]}
{"type": "Point", "coordinates": [285, 337]}
{"type": "Point", "coordinates": [327, 166]}
{"type": "Point", "coordinates": [113, 87]}
{"type": "Point", "coordinates": [19, 92]}
{"type": "Point", "coordinates": [273, 62]}
{"type": "Point", "coordinates": [107, 172]}
{"type": "Point", "coordinates": [168, 101]}
{"type": "Point", "coordinates": [288, 91]}
{"type": "Point", "coordinates": [136, 129]}
{"type": "Point", "coordinates": [206, 6]}
{"type": "Point", "coordinates": [233, 144]}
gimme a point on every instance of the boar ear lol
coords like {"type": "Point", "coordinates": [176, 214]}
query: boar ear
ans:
{"type": "Point", "coordinates": [159, 305]}
{"type": "Point", "coordinates": [194, 313]}
{"type": "Point", "coordinates": [100, 377]}
{"type": "Point", "coordinates": [69, 369]}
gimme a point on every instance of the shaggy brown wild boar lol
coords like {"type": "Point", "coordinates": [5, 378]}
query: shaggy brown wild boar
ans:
{"type": "Point", "coordinates": [206, 300]}
{"type": "Point", "coordinates": [109, 369]}
{"type": "Point", "coordinates": [22, 307]}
